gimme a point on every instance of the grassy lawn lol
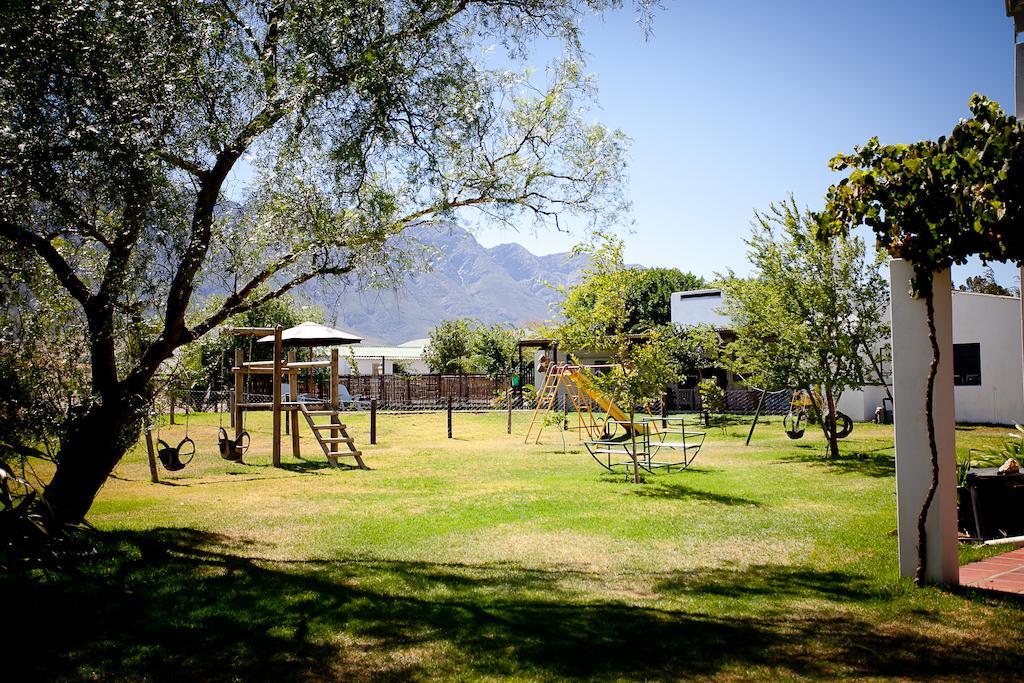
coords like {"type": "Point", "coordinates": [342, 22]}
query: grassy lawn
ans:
{"type": "Point", "coordinates": [481, 557]}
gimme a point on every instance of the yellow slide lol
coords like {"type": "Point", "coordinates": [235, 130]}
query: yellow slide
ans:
{"type": "Point", "coordinates": [607, 405]}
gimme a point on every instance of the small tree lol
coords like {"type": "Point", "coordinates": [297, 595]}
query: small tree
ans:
{"type": "Point", "coordinates": [450, 348]}
{"type": "Point", "coordinates": [494, 350]}
{"type": "Point", "coordinates": [712, 399]}
{"type": "Point", "coordinates": [695, 349]}
{"type": "Point", "coordinates": [641, 366]}
{"type": "Point", "coordinates": [809, 312]}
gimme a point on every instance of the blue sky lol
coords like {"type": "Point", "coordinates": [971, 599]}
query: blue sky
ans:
{"type": "Point", "coordinates": [733, 105]}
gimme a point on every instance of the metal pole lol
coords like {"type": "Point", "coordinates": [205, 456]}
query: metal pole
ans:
{"type": "Point", "coordinates": [449, 417]}
{"type": "Point", "coordinates": [373, 421]}
{"type": "Point", "coordinates": [664, 410]}
{"type": "Point", "coordinates": [509, 402]}
{"type": "Point", "coordinates": [757, 414]}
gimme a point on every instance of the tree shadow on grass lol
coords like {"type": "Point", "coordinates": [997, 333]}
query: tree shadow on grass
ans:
{"type": "Point", "coordinates": [672, 491]}
{"type": "Point", "coordinates": [173, 603]}
{"type": "Point", "coordinates": [868, 463]}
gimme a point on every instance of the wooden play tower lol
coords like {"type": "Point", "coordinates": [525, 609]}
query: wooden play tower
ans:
{"type": "Point", "coordinates": [329, 435]}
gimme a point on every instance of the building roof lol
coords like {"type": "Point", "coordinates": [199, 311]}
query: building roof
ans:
{"type": "Point", "coordinates": [364, 351]}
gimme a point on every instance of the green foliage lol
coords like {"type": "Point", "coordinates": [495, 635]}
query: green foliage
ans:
{"type": "Point", "coordinates": [806, 317]}
{"type": "Point", "coordinates": [43, 359]}
{"type": "Point", "coordinates": [450, 348]}
{"type": "Point", "coordinates": [986, 284]}
{"type": "Point", "coordinates": [712, 397]}
{"type": "Point", "coordinates": [495, 350]}
{"type": "Point", "coordinates": [647, 294]}
{"type": "Point", "coordinates": [641, 366]}
{"type": "Point", "coordinates": [937, 203]}
{"type": "Point", "coordinates": [463, 345]}
{"type": "Point", "coordinates": [695, 349]}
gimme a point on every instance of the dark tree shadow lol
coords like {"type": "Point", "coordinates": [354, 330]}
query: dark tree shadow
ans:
{"type": "Point", "coordinates": [868, 463]}
{"type": "Point", "coordinates": [674, 491]}
{"type": "Point", "coordinates": [176, 604]}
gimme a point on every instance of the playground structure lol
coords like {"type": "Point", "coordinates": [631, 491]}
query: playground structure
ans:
{"type": "Point", "coordinates": [609, 429]}
{"type": "Point", "coordinates": [328, 435]}
{"type": "Point", "coordinates": [571, 382]}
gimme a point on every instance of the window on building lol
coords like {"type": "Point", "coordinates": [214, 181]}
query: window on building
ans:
{"type": "Point", "coordinates": [967, 365]}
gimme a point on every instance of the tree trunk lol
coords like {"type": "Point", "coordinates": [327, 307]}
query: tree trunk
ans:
{"type": "Point", "coordinates": [829, 423]}
{"type": "Point", "coordinates": [96, 440]}
{"type": "Point", "coordinates": [929, 396]}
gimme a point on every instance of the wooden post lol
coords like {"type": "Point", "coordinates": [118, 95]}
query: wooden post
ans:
{"type": "Point", "coordinates": [757, 414]}
{"type": "Point", "coordinates": [278, 352]}
{"type": "Point", "coordinates": [171, 394]}
{"type": "Point", "coordinates": [333, 389]}
{"type": "Point", "coordinates": [293, 415]}
{"type": "Point", "coordinates": [154, 476]}
{"type": "Point", "coordinates": [373, 421]}
{"type": "Point", "coordinates": [664, 410]}
{"type": "Point", "coordinates": [236, 413]}
{"type": "Point", "coordinates": [231, 408]}
{"type": "Point", "coordinates": [508, 401]}
{"type": "Point", "coordinates": [449, 417]}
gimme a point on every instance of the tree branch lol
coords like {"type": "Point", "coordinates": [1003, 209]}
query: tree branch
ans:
{"type": "Point", "coordinates": [61, 268]}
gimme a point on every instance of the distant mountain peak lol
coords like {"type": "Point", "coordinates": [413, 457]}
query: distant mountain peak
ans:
{"type": "Point", "coordinates": [502, 284]}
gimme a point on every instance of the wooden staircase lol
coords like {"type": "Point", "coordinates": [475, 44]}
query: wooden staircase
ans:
{"type": "Point", "coordinates": [338, 435]}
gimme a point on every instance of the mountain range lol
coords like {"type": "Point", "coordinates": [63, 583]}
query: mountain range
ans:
{"type": "Point", "coordinates": [501, 284]}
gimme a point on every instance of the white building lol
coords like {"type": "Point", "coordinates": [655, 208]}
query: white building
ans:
{"type": "Point", "coordinates": [987, 364]}
{"type": "Point", "coordinates": [371, 361]}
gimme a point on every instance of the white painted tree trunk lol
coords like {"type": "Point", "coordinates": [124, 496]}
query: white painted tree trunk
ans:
{"type": "Point", "coordinates": [911, 357]}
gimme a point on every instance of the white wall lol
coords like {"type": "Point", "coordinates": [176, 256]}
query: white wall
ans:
{"type": "Point", "coordinates": [699, 307]}
{"type": "Point", "coordinates": [366, 366]}
{"type": "Point", "coordinates": [994, 322]}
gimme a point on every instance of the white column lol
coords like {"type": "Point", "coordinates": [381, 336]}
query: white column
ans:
{"type": "Point", "coordinates": [911, 356]}
{"type": "Point", "coordinates": [1018, 88]}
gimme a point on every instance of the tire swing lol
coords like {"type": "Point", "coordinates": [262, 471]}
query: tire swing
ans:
{"type": "Point", "coordinates": [795, 424]}
{"type": "Point", "coordinates": [171, 456]}
{"type": "Point", "coordinates": [844, 425]}
{"type": "Point", "coordinates": [232, 449]}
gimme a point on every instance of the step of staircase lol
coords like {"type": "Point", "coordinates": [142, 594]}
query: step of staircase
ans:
{"type": "Point", "coordinates": [336, 425]}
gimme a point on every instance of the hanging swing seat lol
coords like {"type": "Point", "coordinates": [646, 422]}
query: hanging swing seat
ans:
{"type": "Point", "coordinates": [795, 424]}
{"type": "Point", "coordinates": [171, 456]}
{"type": "Point", "coordinates": [232, 449]}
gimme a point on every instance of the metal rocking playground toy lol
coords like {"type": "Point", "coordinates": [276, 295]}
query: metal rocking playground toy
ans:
{"type": "Point", "coordinates": [608, 427]}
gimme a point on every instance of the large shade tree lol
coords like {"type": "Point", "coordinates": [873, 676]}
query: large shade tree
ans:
{"type": "Point", "coordinates": [336, 125]}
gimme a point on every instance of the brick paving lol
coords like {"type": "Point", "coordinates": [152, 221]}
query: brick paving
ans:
{"type": "Point", "coordinates": [1004, 573]}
